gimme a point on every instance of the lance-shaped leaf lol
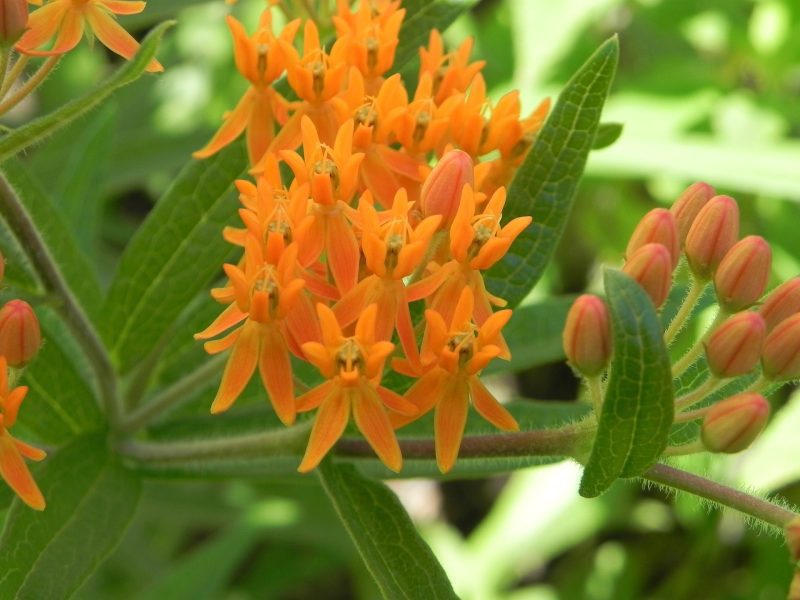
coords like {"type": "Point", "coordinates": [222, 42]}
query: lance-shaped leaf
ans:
{"type": "Point", "coordinates": [544, 186]}
{"type": "Point", "coordinates": [638, 408]}
{"type": "Point", "coordinates": [40, 128]}
{"type": "Point", "coordinates": [90, 501]}
{"type": "Point", "coordinates": [398, 559]}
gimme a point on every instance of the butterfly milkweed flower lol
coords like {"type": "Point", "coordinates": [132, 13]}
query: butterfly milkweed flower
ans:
{"type": "Point", "coordinates": [453, 355]}
{"type": "Point", "coordinates": [66, 20]}
{"type": "Point", "coordinates": [353, 367]}
{"type": "Point", "coordinates": [12, 466]}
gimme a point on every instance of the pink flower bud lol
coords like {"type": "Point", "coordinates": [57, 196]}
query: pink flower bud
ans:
{"type": "Point", "coordinates": [735, 346]}
{"type": "Point", "coordinates": [793, 538]}
{"type": "Point", "coordinates": [782, 302]}
{"type": "Point", "coordinates": [587, 335]}
{"type": "Point", "coordinates": [651, 267]}
{"type": "Point", "coordinates": [441, 192]}
{"type": "Point", "coordinates": [20, 336]}
{"type": "Point", "coordinates": [13, 20]}
{"type": "Point", "coordinates": [657, 227]}
{"type": "Point", "coordinates": [743, 274]}
{"type": "Point", "coordinates": [733, 424]}
{"type": "Point", "coordinates": [712, 234]}
{"type": "Point", "coordinates": [781, 356]}
{"type": "Point", "coordinates": [688, 205]}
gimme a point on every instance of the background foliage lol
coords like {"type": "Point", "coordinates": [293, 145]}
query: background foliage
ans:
{"type": "Point", "coordinates": [704, 91]}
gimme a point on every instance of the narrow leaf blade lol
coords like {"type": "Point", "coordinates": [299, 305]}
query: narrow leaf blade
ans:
{"type": "Point", "coordinates": [638, 409]}
{"type": "Point", "coordinates": [401, 563]}
{"type": "Point", "coordinates": [90, 499]}
{"type": "Point", "coordinates": [545, 185]}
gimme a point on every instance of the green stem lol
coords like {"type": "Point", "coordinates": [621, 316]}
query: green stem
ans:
{"type": "Point", "coordinates": [595, 386]}
{"type": "Point", "coordinates": [721, 494]}
{"type": "Point", "coordinates": [5, 55]}
{"type": "Point", "coordinates": [694, 353]}
{"type": "Point", "coordinates": [29, 86]}
{"type": "Point", "coordinates": [173, 396]}
{"type": "Point", "coordinates": [689, 302]}
{"type": "Point", "coordinates": [13, 74]}
{"type": "Point", "coordinates": [18, 220]}
{"type": "Point", "coordinates": [696, 395]}
{"type": "Point", "coordinates": [692, 415]}
{"type": "Point", "coordinates": [684, 449]}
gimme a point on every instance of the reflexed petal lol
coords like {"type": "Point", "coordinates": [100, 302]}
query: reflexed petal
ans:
{"type": "Point", "coordinates": [424, 394]}
{"type": "Point", "coordinates": [315, 396]}
{"type": "Point", "coordinates": [396, 402]}
{"type": "Point", "coordinates": [12, 404]}
{"type": "Point", "coordinates": [29, 451]}
{"type": "Point", "coordinates": [16, 474]}
{"type": "Point", "coordinates": [114, 36]}
{"type": "Point", "coordinates": [302, 322]}
{"type": "Point", "coordinates": [328, 428]}
{"type": "Point", "coordinates": [343, 255]}
{"type": "Point", "coordinates": [235, 123]}
{"type": "Point", "coordinates": [365, 327]}
{"type": "Point", "coordinates": [276, 374]}
{"type": "Point", "coordinates": [449, 422]}
{"type": "Point", "coordinates": [239, 369]}
{"type": "Point", "coordinates": [352, 303]}
{"type": "Point", "coordinates": [222, 344]}
{"type": "Point", "coordinates": [372, 421]}
{"type": "Point", "coordinates": [405, 331]}
{"type": "Point", "coordinates": [489, 408]}
{"type": "Point", "coordinates": [427, 286]}
{"type": "Point", "coordinates": [69, 34]}
{"type": "Point", "coordinates": [42, 25]}
{"type": "Point", "coordinates": [261, 128]}
{"type": "Point", "coordinates": [229, 317]}
{"type": "Point", "coordinates": [435, 338]}
{"type": "Point", "coordinates": [123, 7]}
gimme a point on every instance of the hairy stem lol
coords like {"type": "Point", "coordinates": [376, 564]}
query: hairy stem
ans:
{"type": "Point", "coordinates": [721, 494]}
{"type": "Point", "coordinates": [694, 353]}
{"type": "Point", "coordinates": [695, 291]}
{"type": "Point", "coordinates": [13, 74]}
{"type": "Point", "coordinates": [173, 396]}
{"type": "Point", "coordinates": [72, 312]}
{"type": "Point", "coordinates": [595, 385]}
{"type": "Point", "coordinates": [29, 86]}
{"type": "Point", "coordinates": [5, 55]}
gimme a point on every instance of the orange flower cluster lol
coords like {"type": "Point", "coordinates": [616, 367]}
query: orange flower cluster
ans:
{"type": "Point", "coordinates": [333, 259]}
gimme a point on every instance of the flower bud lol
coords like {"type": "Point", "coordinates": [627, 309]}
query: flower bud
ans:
{"type": "Point", "coordinates": [441, 192]}
{"type": "Point", "coordinates": [688, 205]}
{"type": "Point", "coordinates": [651, 267]}
{"type": "Point", "coordinates": [733, 424]}
{"type": "Point", "coordinates": [587, 335]}
{"type": "Point", "coordinates": [781, 356]}
{"type": "Point", "coordinates": [13, 20]}
{"type": "Point", "coordinates": [712, 234]}
{"type": "Point", "coordinates": [782, 303]}
{"type": "Point", "coordinates": [793, 538]}
{"type": "Point", "coordinates": [735, 346]}
{"type": "Point", "coordinates": [656, 227]}
{"type": "Point", "coordinates": [743, 274]}
{"type": "Point", "coordinates": [20, 336]}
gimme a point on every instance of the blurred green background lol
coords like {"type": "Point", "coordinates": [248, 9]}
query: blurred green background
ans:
{"type": "Point", "coordinates": [706, 90]}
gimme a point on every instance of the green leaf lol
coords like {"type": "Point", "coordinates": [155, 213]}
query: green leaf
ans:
{"type": "Point", "coordinates": [543, 322]}
{"type": "Point", "coordinates": [545, 185]}
{"type": "Point", "coordinates": [40, 128]}
{"type": "Point", "coordinates": [60, 404]}
{"type": "Point", "coordinates": [173, 256]}
{"type": "Point", "coordinates": [49, 224]}
{"type": "Point", "coordinates": [91, 500]}
{"type": "Point", "coordinates": [401, 563]}
{"type": "Point", "coordinates": [607, 134]}
{"type": "Point", "coordinates": [638, 409]}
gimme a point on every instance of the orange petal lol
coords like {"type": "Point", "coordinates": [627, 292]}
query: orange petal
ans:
{"type": "Point", "coordinates": [229, 317]}
{"type": "Point", "coordinates": [424, 394]}
{"type": "Point", "coordinates": [12, 404]}
{"type": "Point", "coordinates": [372, 421]}
{"type": "Point", "coordinates": [42, 25]}
{"type": "Point", "coordinates": [331, 330]}
{"type": "Point", "coordinates": [69, 34]}
{"type": "Point", "coordinates": [315, 396]}
{"type": "Point", "coordinates": [462, 316]}
{"type": "Point", "coordinates": [365, 327]}
{"type": "Point", "coordinates": [222, 344]}
{"type": "Point", "coordinates": [123, 7]}
{"type": "Point", "coordinates": [235, 123]}
{"type": "Point", "coordinates": [352, 303]}
{"type": "Point", "coordinates": [115, 38]}
{"type": "Point", "coordinates": [449, 422]}
{"type": "Point", "coordinates": [261, 128]}
{"type": "Point", "coordinates": [428, 285]}
{"type": "Point", "coordinates": [396, 402]}
{"type": "Point", "coordinates": [489, 408]}
{"type": "Point", "coordinates": [276, 374]}
{"type": "Point", "coordinates": [343, 255]}
{"type": "Point", "coordinates": [302, 321]}
{"type": "Point", "coordinates": [239, 369]}
{"type": "Point", "coordinates": [405, 331]}
{"type": "Point", "coordinates": [328, 428]}
{"type": "Point", "coordinates": [16, 474]}
{"type": "Point", "coordinates": [319, 356]}
{"type": "Point", "coordinates": [29, 451]}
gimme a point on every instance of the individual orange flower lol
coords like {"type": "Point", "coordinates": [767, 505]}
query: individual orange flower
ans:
{"type": "Point", "coordinates": [452, 73]}
{"type": "Point", "coordinates": [477, 241]}
{"type": "Point", "coordinates": [393, 250]}
{"type": "Point", "coordinates": [12, 466]}
{"type": "Point", "coordinates": [332, 174]}
{"type": "Point", "coordinates": [267, 295]}
{"type": "Point", "coordinates": [453, 356]}
{"type": "Point", "coordinates": [353, 367]}
{"type": "Point", "coordinates": [260, 60]}
{"type": "Point", "coordinates": [371, 34]}
{"type": "Point", "coordinates": [66, 20]}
